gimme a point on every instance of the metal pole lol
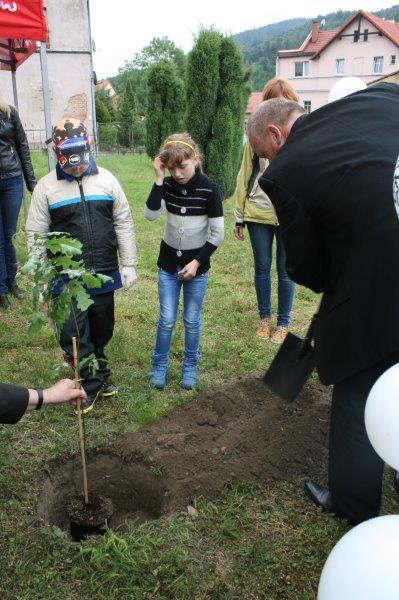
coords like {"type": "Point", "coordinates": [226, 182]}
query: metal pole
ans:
{"type": "Point", "coordinates": [14, 89]}
{"type": "Point", "coordinates": [92, 90]}
{"type": "Point", "coordinates": [46, 103]}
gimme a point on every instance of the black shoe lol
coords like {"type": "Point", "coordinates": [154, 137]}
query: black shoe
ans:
{"type": "Point", "coordinates": [320, 496]}
{"type": "Point", "coordinates": [108, 390]}
{"type": "Point", "coordinates": [15, 291]}
{"type": "Point", "coordinates": [396, 481]}
{"type": "Point", "coordinates": [4, 302]}
{"type": "Point", "coordinates": [88, 404]}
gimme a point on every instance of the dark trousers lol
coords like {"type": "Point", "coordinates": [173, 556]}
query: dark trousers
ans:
{"type": "Point", "coordinates": [355, 469]}
{"type": "Point", "coordinates": [93, 329]}
{"type": "Point", "coordinates": [11, 192]}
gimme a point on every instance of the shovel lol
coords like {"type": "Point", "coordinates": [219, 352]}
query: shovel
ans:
{"type": "Point", "coordinates": [292, 365]}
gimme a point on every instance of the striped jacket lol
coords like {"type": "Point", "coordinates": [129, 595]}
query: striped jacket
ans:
{"type": "Point", "coordinates": [194, 226]}
{"type": "Point", "coordinates": [93, 209]}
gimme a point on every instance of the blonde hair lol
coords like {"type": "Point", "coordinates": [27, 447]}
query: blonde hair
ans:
{"type": "Point", "coordinates": [278, 87]}
{"type": "Point", "coordinates": [177, 148]}
{"type": "Point", "coordinates": [5, 108]}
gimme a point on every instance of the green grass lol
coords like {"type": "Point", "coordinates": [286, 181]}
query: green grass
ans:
{"type": "Point", "coordinates": [253, 543]}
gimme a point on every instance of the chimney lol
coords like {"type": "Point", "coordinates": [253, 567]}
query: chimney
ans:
{"type": "Point", "coordinates": [315, 31]}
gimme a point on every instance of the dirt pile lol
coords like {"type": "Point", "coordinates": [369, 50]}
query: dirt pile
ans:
{"type": "Point", "coordinates": [237, 432]}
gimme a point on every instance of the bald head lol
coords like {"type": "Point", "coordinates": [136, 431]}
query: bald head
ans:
{"type": "Point", "coordinates": [270, 124]}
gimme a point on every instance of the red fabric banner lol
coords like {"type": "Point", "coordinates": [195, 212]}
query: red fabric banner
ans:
{"type": "Point", "coordinates": [23, 19]}
{"type": "Point", "coordinates": [14, 52]}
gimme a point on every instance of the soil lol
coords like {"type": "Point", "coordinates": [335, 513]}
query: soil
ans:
{"type": "Point", "coordinates": [96, 512]}
{"type": "Point", "coordinates": [237, 432]}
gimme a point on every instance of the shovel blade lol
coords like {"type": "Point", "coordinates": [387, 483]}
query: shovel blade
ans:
{"type": "Point", "coordinates": [290, 368]}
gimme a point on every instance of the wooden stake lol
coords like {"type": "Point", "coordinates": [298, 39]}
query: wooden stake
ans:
{"type": "Point", "coordinates": [80, 423]}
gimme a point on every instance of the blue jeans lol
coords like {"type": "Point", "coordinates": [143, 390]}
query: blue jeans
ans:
{"type": "Point", "coordinates": [11, 191]}
{"type": "Point", "coordinates": [261, 236]}
{"type": "Point", "coordinates": [169, 293]}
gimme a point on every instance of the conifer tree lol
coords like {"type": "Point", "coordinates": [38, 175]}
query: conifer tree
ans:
{"type": "Point", "coordinates": [127, 114]}
{"type": "Point", "coordinates": [217, 90]}
{"type": "Point", "coordinates": [166, 105]}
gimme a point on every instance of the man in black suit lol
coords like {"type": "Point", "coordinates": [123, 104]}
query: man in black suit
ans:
{"type": "Point", "coordinates": [15, 401]}
{"type": "Point", "coordinates": [332, 183]}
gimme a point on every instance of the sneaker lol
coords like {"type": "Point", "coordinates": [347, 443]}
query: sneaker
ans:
{"type": "Point", "coordinates": [16, 291]}
{"type": "Point", "coordinates": [157, 377]}
{"type": "Point", "coordinates": [88, 404]}
{"type": "Point", "coordinates": [108, 389]}
{"type": "Point", "coordinates": [264, 328]}
{"type": "Point", "coordinates": [279, 335]}
{"type": "Point", "coordinates": [189, 377]}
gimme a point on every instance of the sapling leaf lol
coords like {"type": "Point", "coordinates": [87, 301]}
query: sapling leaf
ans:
{"type": "Point", "coordinates": [104, 278]}
{"type": "Point", "coordinates": [83, 299]}
{"type": "Point", "coordinates": [90, 361]}
{"type": "Point", "coordinates": [91, 281]}
{"type": "Point", "coordinates": [36, 321]}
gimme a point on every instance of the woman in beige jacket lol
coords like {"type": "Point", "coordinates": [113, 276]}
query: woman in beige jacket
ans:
{"type": "Point", "coordinates": [254, 210]}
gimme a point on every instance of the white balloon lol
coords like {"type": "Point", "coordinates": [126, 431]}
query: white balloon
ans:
{"type": "Point", "coordinates": [382, 417]}
{"type": "Point", "coordinates": [344, 87]}
{"type": "Point", "coordinates": [364, 564]}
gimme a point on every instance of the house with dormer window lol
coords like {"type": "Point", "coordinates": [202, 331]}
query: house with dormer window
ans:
{"type": "Point", "coordinates": [365, 46]}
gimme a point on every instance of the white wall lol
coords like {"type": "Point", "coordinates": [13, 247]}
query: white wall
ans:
{"type": "Point", "coordinates": [68, 66]}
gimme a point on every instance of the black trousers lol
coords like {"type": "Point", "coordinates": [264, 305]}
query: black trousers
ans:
{"type": "Point", "coordinates": [93, 329]}
{"type": "Point", "coordinates": [355, 469]}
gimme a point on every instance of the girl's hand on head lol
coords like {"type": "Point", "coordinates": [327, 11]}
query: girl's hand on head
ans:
{"type": "Point", "coordinates": [159, 169]}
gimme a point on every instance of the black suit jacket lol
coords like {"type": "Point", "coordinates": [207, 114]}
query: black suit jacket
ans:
{"type": "Point", "coordinates": [332, 188]}
{"type": "Point", "coordinates": [13, 403]}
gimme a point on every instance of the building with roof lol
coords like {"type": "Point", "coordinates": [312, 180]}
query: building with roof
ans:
{"type": "Point", "coordinates": [254, 99]}
{"type": "Point", "coordinates": [365, 46]}
{"type": "Point", "coordinates": [106, 86]}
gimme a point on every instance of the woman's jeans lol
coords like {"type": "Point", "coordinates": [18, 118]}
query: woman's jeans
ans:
{"type": "Point", "coordinates": [193, 295]}
{"type": "Point", "coordinates": [11, 192]}
{"type": "Point", "coordinates": [261, 236]}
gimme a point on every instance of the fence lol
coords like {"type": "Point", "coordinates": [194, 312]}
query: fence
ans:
{"type": "Point", "coordinates": [113, 137]}
{"type": "Point", "coordinates": [121, 137]}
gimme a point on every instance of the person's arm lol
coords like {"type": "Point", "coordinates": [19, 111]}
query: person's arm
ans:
{"type": "Point", "coordinates": [155, 205]}
{"type": "Point", "coordinates": [215, 236]}
{"type": "Point", "coordinates": [240, 193]}
{"type": "Point", "coordinates": [124, 229]}
{"type": "Point", "coordinates": [38, 221]}
{"type": "Point", "coordinates": [22, 147]}
{"type": "Point", "coordinates": [15, 400]}
{"type": "Point", "coordinates": [302, 242]}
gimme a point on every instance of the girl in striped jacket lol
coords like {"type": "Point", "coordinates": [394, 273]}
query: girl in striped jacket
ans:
{"type": "Point", "coordinates": [194, 229]}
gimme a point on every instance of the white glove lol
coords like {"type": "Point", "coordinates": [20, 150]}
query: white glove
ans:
{"type": "Point", "coordinates": [129, 277]}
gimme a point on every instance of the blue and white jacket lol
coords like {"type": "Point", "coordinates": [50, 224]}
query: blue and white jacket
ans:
{"type": "Point", "coordinates": [93, 209]}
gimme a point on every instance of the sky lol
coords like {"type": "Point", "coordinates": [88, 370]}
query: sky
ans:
{"type": "Point", "coordinates": [121, 28]}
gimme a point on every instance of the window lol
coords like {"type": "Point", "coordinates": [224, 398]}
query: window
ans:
{"type": "Point", "coordinates": [378, 62]}
{"type": "Point", "coordinates": [339, 66]}
{"type": "Point", "coordinates": [307, 105]}
{"type": "Point", "coordinates": [366, 35]}
{"type": "Point", "coordinates": [356, 35]}
{"type": "Point", "coordinates": [393, 59]}
{"type": "Point", "coordinates": [302, 69]}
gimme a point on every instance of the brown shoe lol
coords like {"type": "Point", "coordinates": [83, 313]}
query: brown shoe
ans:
{"type": "Point", "coordinates": [264, 329]}
{"type": "Point", "coordinates": [279, 335]}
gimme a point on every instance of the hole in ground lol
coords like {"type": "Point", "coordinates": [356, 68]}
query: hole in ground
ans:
{"type": "Point", "coordinates": [136, 493]}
